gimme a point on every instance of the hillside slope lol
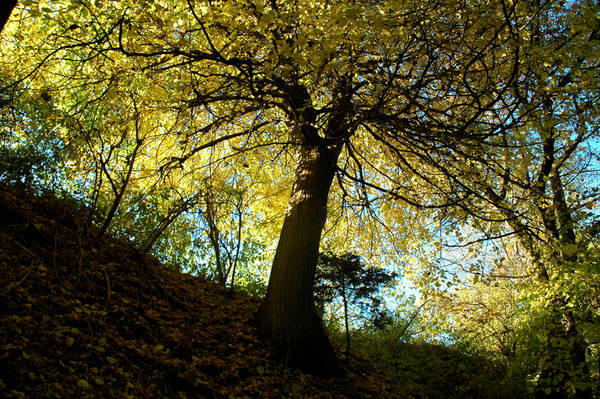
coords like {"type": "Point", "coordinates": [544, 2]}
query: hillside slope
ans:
{"type": "Point", "coordinates": [92, 318]}
{"type": "Point", "coordinates": [87, 318]}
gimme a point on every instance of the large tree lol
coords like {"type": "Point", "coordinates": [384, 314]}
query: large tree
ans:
{"type": "Point", "coordinates": [335, 73]}
{"type": "Point", "coordinates": [376, 94]}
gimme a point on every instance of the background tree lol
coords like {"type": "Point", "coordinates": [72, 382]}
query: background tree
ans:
{"type": "Point", "coordinates": [536, 182]}
{"type": "Point", "coordinates": [346, 277]}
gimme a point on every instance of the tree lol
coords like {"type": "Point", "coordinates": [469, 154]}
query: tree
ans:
{"type": "Point", "coordinates": [220, 203]}
{"type": "Point", "coordinates": [535, 183]}
{"type": "Point", "coordinates": [357, 92]}
{"type": "Point", "coordinates": [347, 277]}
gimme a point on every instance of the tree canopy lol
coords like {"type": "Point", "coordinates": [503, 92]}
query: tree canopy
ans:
{"type": "Point", "coordinates": [409, 132]}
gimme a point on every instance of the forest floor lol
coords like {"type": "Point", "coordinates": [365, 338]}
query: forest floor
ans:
{"type": "Point", "coordinates": [90, 318]}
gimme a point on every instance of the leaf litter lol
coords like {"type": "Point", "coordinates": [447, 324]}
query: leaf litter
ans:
{"type": "Point", "coordinates": [97, 318]}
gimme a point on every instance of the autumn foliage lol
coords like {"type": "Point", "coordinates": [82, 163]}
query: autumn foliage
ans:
{"type": "Point", "coordinates": [452, 143]}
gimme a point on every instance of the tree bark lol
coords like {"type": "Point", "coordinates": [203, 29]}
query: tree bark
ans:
{"type": "Point", "coordinates": [288, 315]}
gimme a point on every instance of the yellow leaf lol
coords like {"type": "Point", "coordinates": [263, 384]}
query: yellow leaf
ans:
{"type": "Point", "coordinates": [111, 360]}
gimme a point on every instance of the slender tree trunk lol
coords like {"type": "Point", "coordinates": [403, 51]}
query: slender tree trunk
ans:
{"type": "Point", "coordinates": [287, 315]}
{"type": "Point", "coordinates": [563, 359]}
{"type": "Point", "coordinates": [577, 348]}
{"type": "Point", "coordinates": [568, 364]}
{"type": "Point", "coordinates": [214, 236]}
{"type": "Point", "coordinates": [238, 244]}
{"type": "Point", "coordinates": [346, 320]}
{"type": "Point", "coordinates": [552, 375]}
{"type": "Point", "coordinates": [119, 191]}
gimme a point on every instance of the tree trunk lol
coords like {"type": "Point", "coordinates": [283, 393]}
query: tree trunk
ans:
{"type": "Point", "coordinates": [345, 300]}
{"type": "Point", "coordinates": [552, 375]}
{"type": "Point", "coordinates": [287, 315]}
{"type": "Point", "coordinates": [563, 362]}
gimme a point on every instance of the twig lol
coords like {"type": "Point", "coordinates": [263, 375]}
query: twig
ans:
{"type": "Point", "coordinates": [107, 285]}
